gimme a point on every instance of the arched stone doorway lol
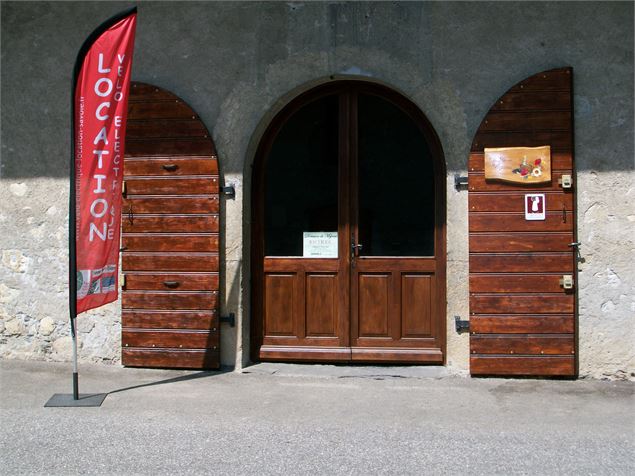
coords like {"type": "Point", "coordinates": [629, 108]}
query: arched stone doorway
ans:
{"type": "Point", "coordinates": [348, 230]}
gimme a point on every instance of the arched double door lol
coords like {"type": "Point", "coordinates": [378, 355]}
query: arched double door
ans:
{"type": "Point", "coordinates": [348, 232]}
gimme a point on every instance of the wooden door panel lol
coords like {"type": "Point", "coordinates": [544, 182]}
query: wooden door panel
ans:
{"type": "Point", "coordinates": [554, 80]}
{"type": "Point", "coordinates": [162, 129]}
{"type": "Point", "coordinates": [479, 184]}
{"type": "Point", "coordinates": [515, 283]}
{"type": "Point", "coordinates": [173, 166]}
{"type": "Point", "coordinates": [280, 294]}
{"type": "Point", "coordinates": [527, 121]}
{"type": "Point", "coordinates": [170, 300]}
{"type": "Point", "coordinates": [385, 355]}
{"type": "Point", "coordinates": [144, 92]}
{"type": "Point", "coordinates": [152, 109]}
{"type": "Point", "coordinates": [560, 141]}
{"type": "Point", "coordinates": [416, 302]}
{"type": "Point", "coordinates": [374, 304]}
{"type": "Point", "coordinates": [538, 101]}
{"type": "Point", "coordinates": [397, 265]}
{"type": "Point", "coordinates": [297, 265]}
{"type": "Point", "coordinates": [522, 242]}
{"type": "Point", "coordinates": [522, 322]}
{"type": "Point", "coordinates": [302, 306]}
{"type": "Point", "coordinates": [169, 242]}
{"type": "Point", "coordinates": [171, 358]}
{"type": "Point", "coordinates": [515, 202]}
{"type": "Point", "coordinates": [556, 221]}
{"type": "Point", "coordinates": [295, 352]}
{"type": "Point", "coordinates": [170, 226]}
{"type": "Point", "coordinates": [511, 365]}
{"type": "Point", "coordinates": [522, 303]}
{"type": "Point", "coordinates": [169, 147]}
{"type": "Point", "coordinates": [132, 261]}
{"type": "Point", "coordinates": [162, 319]}
{"type": "Point", "coordinates": [172, 186]}
{"type": "Point", "coordinates": [397, 315]}
{"type": "Point", "coordinates": [167, 281]}
{"type": "Point", "coordinates": [174, 205]}
{"type": "Point", "coordinates": [521, 263]}
{"type": "Point", "coordinates": [321, 304]}
{"type": "Point", "coordinates": [522, 345]}
{"type": "Point", "coordinates": [169, 338]}
{"type": "Point", "coordinates": [170, 223]}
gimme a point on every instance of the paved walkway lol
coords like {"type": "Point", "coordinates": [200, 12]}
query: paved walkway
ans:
{"type": "Point", "coordinates": [312, 420]}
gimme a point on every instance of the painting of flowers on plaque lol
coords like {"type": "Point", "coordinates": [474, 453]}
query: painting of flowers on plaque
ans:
{"type": "Point", "coordinates": [528, 165]}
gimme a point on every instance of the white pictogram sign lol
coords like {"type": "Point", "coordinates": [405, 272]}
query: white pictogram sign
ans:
{"type": "Point", "coordinates": [535, 206]}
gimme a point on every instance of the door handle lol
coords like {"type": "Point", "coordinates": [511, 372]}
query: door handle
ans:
{"type": "Point", "coordinates": [355, 248]}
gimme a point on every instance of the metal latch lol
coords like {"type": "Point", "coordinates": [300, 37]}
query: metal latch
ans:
{"type": "Point", "coordinates": [566, 281]}
{"type": "Point", "coordinates": [566, 181]}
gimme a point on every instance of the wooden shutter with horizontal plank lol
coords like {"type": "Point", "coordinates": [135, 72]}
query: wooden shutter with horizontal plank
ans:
{"type": "Point", "coordinates": [522, 320]}
{"type": "Point", "coordinates": [170, 235]}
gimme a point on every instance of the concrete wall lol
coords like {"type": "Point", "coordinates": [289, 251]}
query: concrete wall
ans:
{"type": "Point", "coordinates": [237, 64]}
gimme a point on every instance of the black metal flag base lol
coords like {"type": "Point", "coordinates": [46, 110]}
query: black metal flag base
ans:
{"type": "Point", "coordinates": [76, 399]}
{"type": "Point", "coordinates": [84, 400]}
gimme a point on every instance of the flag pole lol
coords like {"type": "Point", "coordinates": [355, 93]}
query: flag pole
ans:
{"type": "Point", "coordinates": [64, 400]}
{"type": "Point", "coordinates": [75, 373]}
{"type": "Point", "coordinates": [72, 230]}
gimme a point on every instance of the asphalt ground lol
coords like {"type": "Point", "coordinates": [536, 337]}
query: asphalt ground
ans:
{"type": "Point", "coordinates": [287, 420]}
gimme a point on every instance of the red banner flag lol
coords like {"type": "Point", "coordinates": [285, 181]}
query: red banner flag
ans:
{"type": "Point", "coordinates": [100, 107]}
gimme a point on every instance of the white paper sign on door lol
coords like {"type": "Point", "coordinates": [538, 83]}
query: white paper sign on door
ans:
{"type": "Point", "coordinates": [319, 244]}
{"type": "Point", "coordinates": [535, 206]}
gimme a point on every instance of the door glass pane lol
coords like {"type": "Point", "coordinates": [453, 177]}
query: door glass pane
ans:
{"type": "Point", "coordinates": [396, 182]}
{"type": "Point", "coordinates": [301, 178]}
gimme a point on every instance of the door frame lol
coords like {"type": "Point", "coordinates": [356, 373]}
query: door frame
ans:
{"type": "Point", "coordinates": [258, 193]}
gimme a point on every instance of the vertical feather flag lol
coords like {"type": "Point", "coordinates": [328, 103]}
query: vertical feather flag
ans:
{"type": "Point", "coordinates": [101, 83]}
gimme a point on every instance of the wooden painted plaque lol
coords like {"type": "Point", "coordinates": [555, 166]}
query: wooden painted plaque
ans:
{"type": "Point", "coordinates": [518, 164]}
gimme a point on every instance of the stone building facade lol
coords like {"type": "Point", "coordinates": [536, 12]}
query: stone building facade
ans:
{"type": "Point", "coordinates": [238, 64]}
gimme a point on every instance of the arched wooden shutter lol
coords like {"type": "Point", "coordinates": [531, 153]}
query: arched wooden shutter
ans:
{"type": "Point", "coordinates": [170, 228]}
{"type": "Point", "coordinates": [522, 320]}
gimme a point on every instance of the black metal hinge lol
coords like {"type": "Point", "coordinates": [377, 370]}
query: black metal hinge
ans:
{"type": "Point", "coordinates": [460, 182]}
{"type": "Point", "coordinates": [231, 319]}
{"type": "Point", "coordinates": [229, 191]}
{"type": "Point", "coordinates": [461, 325]}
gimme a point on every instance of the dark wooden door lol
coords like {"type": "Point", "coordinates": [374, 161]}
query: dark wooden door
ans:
{"type": "Point", "coordinates": [170, 228]}
{"type": "Point", "coordinates": [381, 298]}
{"type": "Point", "coordinates": [522, 318]}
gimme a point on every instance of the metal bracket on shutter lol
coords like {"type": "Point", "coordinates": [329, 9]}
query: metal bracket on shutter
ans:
{"type": "Point", "coordinates": [228, 191]}
{"type": "Point", "coordinates": [566, 181]}
{"type": "Point", "coordinates": [460, 181]}
{"type": "Point", "coordinates": [231, 319]}
{"type": "Point", "coordinates": [566, 281]}
{"type": "Point", "coordinates": [461, 325]}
